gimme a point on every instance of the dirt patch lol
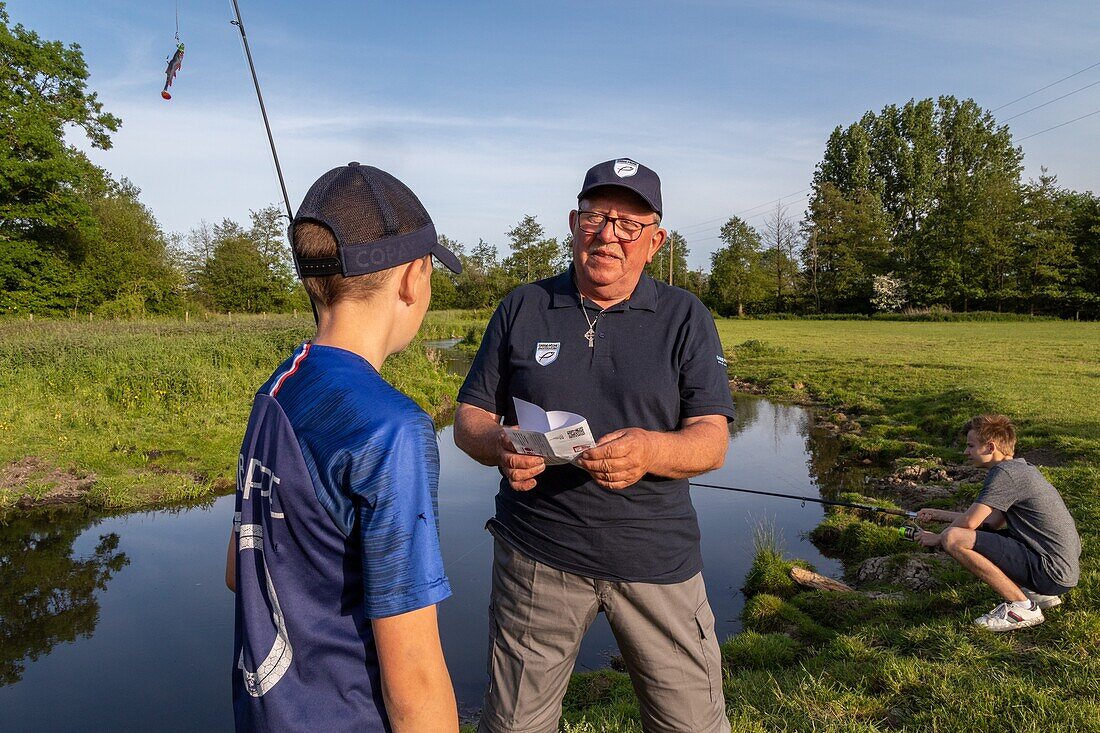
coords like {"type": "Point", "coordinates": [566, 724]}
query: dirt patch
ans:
{"type": "Point", "coordinates": [1043, 457]}
{"type": "Point", "coordinates": [223, 485]}
{"type": "Point", "coordinates": [38, 484]}
{"type": "Point", "coordinates": [740, 385]}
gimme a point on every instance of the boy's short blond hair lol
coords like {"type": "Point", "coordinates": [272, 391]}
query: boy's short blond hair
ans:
{"type": "Point", "coordinates": [316, 240]}
{"type": "Point", "coordinates": [996, 429]}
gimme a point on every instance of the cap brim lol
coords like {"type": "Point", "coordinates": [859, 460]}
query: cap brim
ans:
{"type": "Point", "coordinates": [447, 257]}
{"type": "Point", "coordinates": [613, 184]}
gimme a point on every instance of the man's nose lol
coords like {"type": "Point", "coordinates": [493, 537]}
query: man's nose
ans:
{"type": "Point", "coordinates": [607, 232]}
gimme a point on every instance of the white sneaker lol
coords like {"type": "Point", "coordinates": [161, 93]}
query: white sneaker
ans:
{"type": "Point", "coordinates": [1008, 618]}
{"type": "Point", "coordinates": [1040, 600]}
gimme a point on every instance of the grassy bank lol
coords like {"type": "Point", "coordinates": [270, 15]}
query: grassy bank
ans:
{"type": "Point", "coordinates": [910, 659]}
{"type": "Point", "coordinates": [130, 414]}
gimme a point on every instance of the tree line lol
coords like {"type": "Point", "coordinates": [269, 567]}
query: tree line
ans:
{"type": "Point", "coordinates": [919, 206]}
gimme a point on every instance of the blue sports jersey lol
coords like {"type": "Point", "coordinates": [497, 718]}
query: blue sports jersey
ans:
{"type": "Point", "coordinates": [335, 525]}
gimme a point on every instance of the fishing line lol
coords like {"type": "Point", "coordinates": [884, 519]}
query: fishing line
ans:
{"type": "Point", "coordinates": [804, 499]}
{"type": "Point", "coordinates": [263, 110]}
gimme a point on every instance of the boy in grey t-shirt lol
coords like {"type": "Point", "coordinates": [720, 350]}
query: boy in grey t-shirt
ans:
{"type": "Point", "coordinates": [1034, 560]}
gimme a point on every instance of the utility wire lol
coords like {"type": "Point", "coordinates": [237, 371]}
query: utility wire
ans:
{"type": "Point", "coordinates": [1070, 122]}
{"type": "Point", "coordinates": [1044, 104]}
{"type": "Point", "coordinates": [743, 212]}
{"type": "Point", "coordinates": [1048, 86]}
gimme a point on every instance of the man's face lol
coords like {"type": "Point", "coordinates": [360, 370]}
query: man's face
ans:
{"type": "Point", "coordinates": [604, 260]}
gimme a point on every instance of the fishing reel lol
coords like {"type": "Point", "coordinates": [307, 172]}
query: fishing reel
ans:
{"type": "Point", "coordinates": [910, 533]}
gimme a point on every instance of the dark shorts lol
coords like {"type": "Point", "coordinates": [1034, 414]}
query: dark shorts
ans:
{"type": "Point", "coordinates": [1016, 561]}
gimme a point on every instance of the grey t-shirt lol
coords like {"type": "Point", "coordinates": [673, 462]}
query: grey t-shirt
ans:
{"type": "Point", "coordinates": [1036, 516]}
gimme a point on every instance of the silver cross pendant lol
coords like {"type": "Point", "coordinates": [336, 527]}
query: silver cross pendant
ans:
{"type": "Point", "coordinates": [591, 336]}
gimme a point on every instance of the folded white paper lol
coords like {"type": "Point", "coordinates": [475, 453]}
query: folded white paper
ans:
{"type": "Point", "coordinates": [557, 436]}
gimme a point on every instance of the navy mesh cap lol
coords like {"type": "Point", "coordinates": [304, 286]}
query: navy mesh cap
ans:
{"type": "Point", "coordinates": [625, 173]}
{"type": "Point", "coordinates": [377, 221]}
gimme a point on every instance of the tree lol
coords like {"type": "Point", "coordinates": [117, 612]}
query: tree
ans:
{"type": "Point", "coordinates": [1083, 288]}
{"type": "Point", "coordinates": [46, 185]}
{"type": "Point", "coordinates": [444, 282]}
{"type": "Point", "coordinates": [533, 254]}
{"type": "Point", "coordinates": [237, 276]}
{"type": "Point", "coordinates": [43, 91]}
{"type": "Point", "coordinates": [735, 277]}
{"type": "Point", "coordinates": [669, 264]}
{"type": "Point", "coordinates": [779, 237]}
{"type": "Point", "coordinates": [1045, 260]}
{"type": "Point", "coordinates": [941, 179]}
{"type": "Point", "coordinates": [126, 270]}
{"type": "Point", "coordinates": [267, 230]}
{"type": "Point", "coordinates": [889, 293]}
{"type": "Point", "coordinates": [849, 241]}
{"type": "Point", "coordinates": [483, 281]}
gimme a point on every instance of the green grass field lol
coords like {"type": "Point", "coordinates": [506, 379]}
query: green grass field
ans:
{"type": "Point", "coordinates": [154, 411]}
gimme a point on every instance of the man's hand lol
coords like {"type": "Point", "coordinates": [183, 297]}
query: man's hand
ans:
{"type": "Point", "coordinates": [620, 458]}
{"type": "Point", "coordinates": [519, 468]}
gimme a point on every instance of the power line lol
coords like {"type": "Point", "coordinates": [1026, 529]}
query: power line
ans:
{"type": "Point", "coordinates": [1044, 104]}
{"type": "Point", "coordinates": [741, 213]}
{"type": "Point", "coordinates": [1070, 122]}
{"type": "Point", "coordinates": [1048, 86]}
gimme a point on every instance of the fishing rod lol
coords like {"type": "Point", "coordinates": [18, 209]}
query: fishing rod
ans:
{"type": "Point", "coordinates": [827, 502]}
{"type": "Point", "coordinates": [263, 110]}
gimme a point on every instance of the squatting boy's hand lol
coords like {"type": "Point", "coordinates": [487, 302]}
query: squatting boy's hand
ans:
{"type": "Point", "coordinates": [620, 458]}
{"type": "Point", "coordinates": [519, 468]}
{"type": "Point", "coordinates": [929, 539]}
{"type": "Point", "coordinates": [928, 515]}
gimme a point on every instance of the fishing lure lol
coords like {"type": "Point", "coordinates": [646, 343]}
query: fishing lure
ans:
{"type": "Point", "coordinates": [174, 65]}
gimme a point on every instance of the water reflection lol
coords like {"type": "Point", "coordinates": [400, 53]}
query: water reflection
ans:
{"type": "Point", "coordinates": [49, 592]}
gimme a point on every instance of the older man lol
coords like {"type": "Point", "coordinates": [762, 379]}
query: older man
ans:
{"type": "Point", "coordinates": [614, 531]}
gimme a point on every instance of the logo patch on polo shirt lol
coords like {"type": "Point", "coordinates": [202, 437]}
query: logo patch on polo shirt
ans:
{"type": "Point", "coordinates": [722, 360]}
{"type": "Point", "coordinates": [546, 352]}
{"type": "Point", "coordinates": [625, 167]}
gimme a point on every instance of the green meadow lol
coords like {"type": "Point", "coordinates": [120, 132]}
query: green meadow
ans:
{"type": "Point", "coordinates": [148, 413]}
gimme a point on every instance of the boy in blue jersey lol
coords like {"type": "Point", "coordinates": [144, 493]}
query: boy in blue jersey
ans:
{"type": "Point", "coordinates": [334, 555]}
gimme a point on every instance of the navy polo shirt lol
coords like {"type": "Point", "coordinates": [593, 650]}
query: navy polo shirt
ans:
{"type": "Point", "coordinates": [656, 360]}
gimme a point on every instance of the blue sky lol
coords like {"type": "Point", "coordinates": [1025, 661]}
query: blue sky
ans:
{"type": "Point", "coordinates": [493, 110]}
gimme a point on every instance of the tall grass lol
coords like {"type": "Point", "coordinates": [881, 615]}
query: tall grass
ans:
{"type": "Point", "coordinates": [156, 409]}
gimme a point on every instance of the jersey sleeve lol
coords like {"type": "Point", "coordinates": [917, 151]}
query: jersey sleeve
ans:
{"type": "Point", "coordinates": [704, 381]}
{"type": "Point", "coordinates": [486, 382]}
{"type": "Point", "coordinates": [401, 562]}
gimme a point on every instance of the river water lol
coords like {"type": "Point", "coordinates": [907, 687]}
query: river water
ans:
{"type": "Point", "coordinates": [125, 624]}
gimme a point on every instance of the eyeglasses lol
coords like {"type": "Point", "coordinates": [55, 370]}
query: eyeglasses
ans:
{"type": "Point", "coordinates": [628, 230]}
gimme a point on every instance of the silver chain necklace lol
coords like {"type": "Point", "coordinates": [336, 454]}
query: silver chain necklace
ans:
{"type": "Point", "coordinates": [590, 334]}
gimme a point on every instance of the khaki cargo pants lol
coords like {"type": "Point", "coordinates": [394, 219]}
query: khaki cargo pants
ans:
{"type": "Point", "coordinates": [537, 617]}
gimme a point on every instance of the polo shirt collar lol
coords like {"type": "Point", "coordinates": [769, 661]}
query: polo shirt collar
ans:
{"type": "Point", "coordinates": [564, 293]}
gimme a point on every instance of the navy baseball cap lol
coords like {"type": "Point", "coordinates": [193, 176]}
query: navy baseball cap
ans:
{"type": "Point", "coordinates": [625, 173]}
{"type": "Point", "coordinates": [378, 223]}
